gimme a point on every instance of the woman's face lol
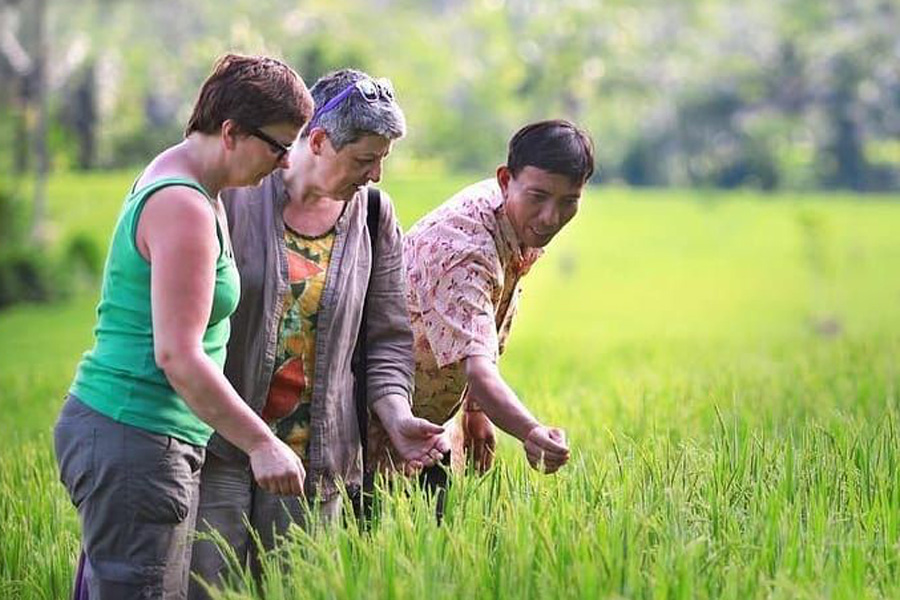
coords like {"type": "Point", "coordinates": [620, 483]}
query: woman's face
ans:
{"type": "Point", "coordinates": [264, 150]}
{"type": "Point", "coordinates": [341, 173]}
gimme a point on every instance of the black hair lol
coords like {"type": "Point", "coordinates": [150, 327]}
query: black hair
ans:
{"type": "Point", "coordinates": [556, 146]}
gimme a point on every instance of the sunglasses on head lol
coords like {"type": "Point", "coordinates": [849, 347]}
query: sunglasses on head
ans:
{"type": "Point", "coordinates": [277, 147]}
{"type": "Point", "coordinates": [371, 90]}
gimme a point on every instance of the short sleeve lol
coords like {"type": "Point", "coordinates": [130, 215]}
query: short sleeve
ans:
{"type": "Point", "coordinates": [457, 311]}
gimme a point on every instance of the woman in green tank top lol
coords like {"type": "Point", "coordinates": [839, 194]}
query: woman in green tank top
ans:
{"type": "Point", "coordinates": [131, 438]}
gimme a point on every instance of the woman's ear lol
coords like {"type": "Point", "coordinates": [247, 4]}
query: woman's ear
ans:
{"type": "Point", "coordinates": [229, 134]}
{"type": "Point", "coordinates": [318, 140]}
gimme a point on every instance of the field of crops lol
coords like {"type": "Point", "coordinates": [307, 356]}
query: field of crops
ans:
{"type": "Point", "coordinates": [727, 368]}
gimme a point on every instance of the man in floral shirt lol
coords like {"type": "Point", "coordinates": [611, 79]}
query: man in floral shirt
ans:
{"type": "Point", "coordinates": [464, 263]}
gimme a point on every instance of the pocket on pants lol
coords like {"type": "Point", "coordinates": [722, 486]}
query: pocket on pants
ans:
{"type": "Point", "coordinates": [74, 446]}
{"type": "Point", "coordinates": [161, 480]}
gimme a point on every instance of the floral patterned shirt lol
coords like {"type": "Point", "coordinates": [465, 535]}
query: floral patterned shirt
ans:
{"type": "Point", "coordinates": [463, 265]}
{"type": "Point", "coordinates": [287, 408]}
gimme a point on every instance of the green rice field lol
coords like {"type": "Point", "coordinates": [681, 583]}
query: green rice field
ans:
{"type": "Point", "coordinates": [727, 369]}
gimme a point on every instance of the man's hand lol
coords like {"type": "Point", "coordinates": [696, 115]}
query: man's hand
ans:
{"type": "Point", "coordinates": [277, 469]}
{"type": "Point", "coordinates": [546, 448]}
{"type": "Point", "coordinates": [479, 439]}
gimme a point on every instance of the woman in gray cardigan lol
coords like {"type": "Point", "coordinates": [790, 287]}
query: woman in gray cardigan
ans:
{"type": "Point", "coordinates": [303, 250]}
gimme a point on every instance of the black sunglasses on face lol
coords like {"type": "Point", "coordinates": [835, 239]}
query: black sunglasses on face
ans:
{"type": "Point", "coordinates": [277, 147]}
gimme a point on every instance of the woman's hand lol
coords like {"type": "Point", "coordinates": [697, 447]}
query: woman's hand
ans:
{"type": "Point", "coordinates": [418, 442]}
{"type": "Point", "coordinates": [277, 469]}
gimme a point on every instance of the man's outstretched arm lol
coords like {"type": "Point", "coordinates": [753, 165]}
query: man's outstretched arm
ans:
{"type": "Point", "coordinates": [544, 446]}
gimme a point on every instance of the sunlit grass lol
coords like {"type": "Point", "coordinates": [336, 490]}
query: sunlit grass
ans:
{"type": "Point", "coordinates": [738, 508]}
{"type": "Point", "coordinates": [726, 368]}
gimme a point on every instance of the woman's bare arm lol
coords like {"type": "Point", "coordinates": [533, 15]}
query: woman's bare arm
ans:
{"type": "Point", "coordinates": [177, 234]}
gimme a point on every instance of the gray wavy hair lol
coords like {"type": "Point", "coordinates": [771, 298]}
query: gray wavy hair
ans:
{"type": "Point", "coordinates": [354, 117]}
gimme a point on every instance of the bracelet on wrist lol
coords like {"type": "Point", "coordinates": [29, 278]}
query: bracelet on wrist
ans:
{"type": "Point", "coordinates": [471, 406]}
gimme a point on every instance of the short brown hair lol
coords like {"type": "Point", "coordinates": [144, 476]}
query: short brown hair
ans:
{"type": "Point", "coordinates": [252, 91]}
{"type": "Point", "coordinates": [556, 146]}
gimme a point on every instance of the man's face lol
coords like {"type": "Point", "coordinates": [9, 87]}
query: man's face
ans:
{"type": "Point", "coordinates": [539, 203]}
{"type": "Point", "coordinates": [343, 172]}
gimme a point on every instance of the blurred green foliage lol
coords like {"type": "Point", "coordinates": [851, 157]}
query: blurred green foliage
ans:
{"type": "Point", "coordinates": [797, 94]}
{"type": "Point", "coordinates": [31, 272]}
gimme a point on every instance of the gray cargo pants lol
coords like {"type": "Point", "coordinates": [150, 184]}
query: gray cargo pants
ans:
{"type": "Point", "coordinates": [229, 498]}
{"type": "Point", "coordinates": [136, 493]}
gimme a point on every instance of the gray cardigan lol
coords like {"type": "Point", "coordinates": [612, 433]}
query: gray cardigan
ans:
{"type": "Point", "coordinates": [257, 232]}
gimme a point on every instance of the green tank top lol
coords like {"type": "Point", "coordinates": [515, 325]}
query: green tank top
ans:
{"type": "Point", "coordinates": [119, 377]}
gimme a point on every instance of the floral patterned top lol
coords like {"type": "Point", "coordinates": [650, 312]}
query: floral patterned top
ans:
{"type": "Point", "coordinates": [463, 265]}
{"type": "Point", "coordinates": [288, 403]}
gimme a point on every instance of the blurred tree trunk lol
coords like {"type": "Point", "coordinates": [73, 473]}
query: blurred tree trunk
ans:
{"type": "Point", "coordinates": [21, 151]}
{"type": "Point", "coordinates": [39, 97]}
{"type": "Point", "coordinates": [844, 146]}
{"type": "Point", "coordinates": [16, 97]}
{"type": "Point", "coordinates": [84, 117]}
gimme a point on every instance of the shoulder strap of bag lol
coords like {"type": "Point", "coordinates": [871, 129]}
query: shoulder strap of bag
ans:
{"type": "Point", "coordinates": [373, 215]}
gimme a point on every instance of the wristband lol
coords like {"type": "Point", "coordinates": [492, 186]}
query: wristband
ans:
{"type": "Point", "coordinates": [472, 407]}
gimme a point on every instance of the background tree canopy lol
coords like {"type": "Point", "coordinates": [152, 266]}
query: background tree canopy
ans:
{"type": "Point", "coordinates": [798, 93]}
